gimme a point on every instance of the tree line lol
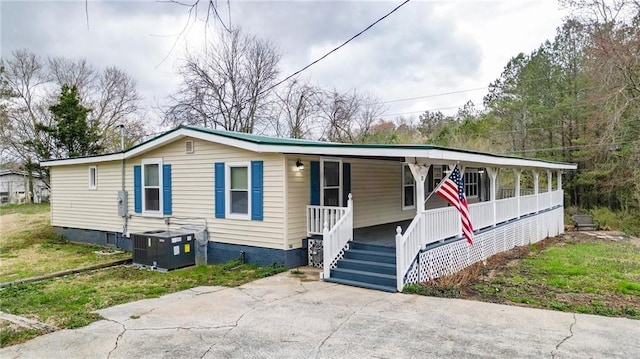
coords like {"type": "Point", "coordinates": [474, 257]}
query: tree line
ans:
{"type": "Point", "coordinates": [576, 98]}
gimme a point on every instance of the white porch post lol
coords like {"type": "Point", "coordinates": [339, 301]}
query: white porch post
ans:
{"type": "Point", "coordinates": [549, 189]}
{"type": "Point", "coordinates": [560, 179]}
{"type": "Point", "coordinates": [493, 175]}
{"type": "Point", "coordinates": [536, 189]}
{"type": "Point", "coordinates": [419, 172]}
{"type": "Point", "coordinates": [560, 188]}
{"type": "Point", "coordinates": [518, 173]}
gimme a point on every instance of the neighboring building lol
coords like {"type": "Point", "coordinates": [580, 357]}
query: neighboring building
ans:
{"type": "Point", "coordinates": [286, 201]}
{"type": "Point", "coordinates": [14, 187]}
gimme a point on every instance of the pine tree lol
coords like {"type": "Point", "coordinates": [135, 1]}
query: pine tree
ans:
{"type": "Point", "coordinates": [72, 133]}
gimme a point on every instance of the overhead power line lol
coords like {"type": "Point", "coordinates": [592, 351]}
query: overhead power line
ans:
{"type": "Point", "coordinates": [335, 49]}
{"type": "Point", "coordinates": [435, 95]}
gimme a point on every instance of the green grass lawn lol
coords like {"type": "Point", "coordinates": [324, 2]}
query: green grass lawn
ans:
{"type": "Point", "coordinates": [31, 208]}
{"type": "Point", "coordinates": [576, 273]}
{"type": "Point", "coordinates": [597, 277]}
{"type": "Point", "coordinates": [29, 247]}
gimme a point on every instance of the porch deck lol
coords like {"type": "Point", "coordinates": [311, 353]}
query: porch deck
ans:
{"type": "Point", "coordinates": [381, 235]}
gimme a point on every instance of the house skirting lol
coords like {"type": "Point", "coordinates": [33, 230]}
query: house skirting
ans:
{"type": "Point", "coordinates": [99, 238]}
{"type": "Point", "coordinates": [223, 252]}
{"type": "Point", "coordinates": [216, 252]}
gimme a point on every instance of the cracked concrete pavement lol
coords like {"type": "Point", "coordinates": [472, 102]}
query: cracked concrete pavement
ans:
{"type": "Point", "coordinates": [289, 316]}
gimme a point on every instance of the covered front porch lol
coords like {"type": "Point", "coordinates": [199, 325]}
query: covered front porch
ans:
{"type": "Point", "coordinates": [391, 250]}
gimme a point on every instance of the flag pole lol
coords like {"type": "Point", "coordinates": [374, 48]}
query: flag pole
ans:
{"type": "Point", "coordinates": [442, 181]}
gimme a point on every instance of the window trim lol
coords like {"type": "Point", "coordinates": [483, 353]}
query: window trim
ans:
{"type": "Point", "coordinates": [227, 190]}
{"type": "Point", "coordinates": [143, 163]}
{"type": "Point", "coordinates": [468, 175]}
{"type": "Point", "coordinates": [93, 185]}
{"type": "Point", "coordinates": [340, 184]}
{"type": "Point", "coordinates": [402, 188]}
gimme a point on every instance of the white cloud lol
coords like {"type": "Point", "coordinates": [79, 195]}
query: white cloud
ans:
{"type": "Point", "coordinates": [424, 48]}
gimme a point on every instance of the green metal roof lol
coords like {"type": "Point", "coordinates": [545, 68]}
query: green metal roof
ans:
{"type": "Point", "coordinates": [276, 141]}
{"type": "Point", "coordinates": [298, 145]}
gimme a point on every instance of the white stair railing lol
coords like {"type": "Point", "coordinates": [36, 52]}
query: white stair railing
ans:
{"type": "Point", "coordinates": [317, 216]}
{"type": "Point", "coordinates": [427, 227]}
{"type": "Point", "coordinates": [336, 237]}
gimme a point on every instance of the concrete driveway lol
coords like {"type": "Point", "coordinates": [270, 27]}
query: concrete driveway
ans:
{"type": "Point", "coordinates": [288, 316]}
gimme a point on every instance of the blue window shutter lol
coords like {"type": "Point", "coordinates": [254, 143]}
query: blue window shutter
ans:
{"type": "Point", "coordinates": [257, 207]}
{"type": "Point", "coordinates": [166, 189]}
{"type": "Point", "coordinates": [315, 183]}
{"type": "Point", "coordinates": [346, 182]}
{"type": "Point", "coordinates": [137, 189]}
{"type": "Point", "coordinates": [219, 189]}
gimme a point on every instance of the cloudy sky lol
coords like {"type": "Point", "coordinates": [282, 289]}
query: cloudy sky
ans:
{"type": "Point", "coordinates": [425, 48]}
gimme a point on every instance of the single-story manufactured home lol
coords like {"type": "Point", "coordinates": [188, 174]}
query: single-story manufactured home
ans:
{"type": "Point", "coordinates": [362, 212]}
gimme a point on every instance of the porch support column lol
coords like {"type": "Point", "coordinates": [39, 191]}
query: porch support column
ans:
{"type": "Point", "coordinates": [419, 172]}
{"type": "Point", "coordinates": [517, 173]}
{"type": "Point", "coordinates": [549, 189]}
{"type": "Point", "coordinates": [536, 188]}
{"type": "Point", "coordinates": [559, 179]}
{"type": "Point", "coordinates": [560, 188]}
{"type": "Point", "coordinates": [493, 176]}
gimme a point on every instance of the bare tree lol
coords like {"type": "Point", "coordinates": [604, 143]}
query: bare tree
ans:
{"type": "Point", "coordinates": [348, 116]}
{"type": "Point", "coordinates": [25, 75]}
{"type": "Point", "coordinates": [228, 86]}
{"type": "Point", "coordinates": [296, 108]}
{"type": "Point", "coordinates": [34, 85]}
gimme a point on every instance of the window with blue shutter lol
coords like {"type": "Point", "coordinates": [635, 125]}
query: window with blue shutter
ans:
{"type": "Point", "coordinates": [166, 190]}
{"type": "Point", "coordinates": [256, 191]}
{"type": "Point", "coordinates": [346, 183]}
{"type": "Point", "coordinates": [315, 183]}
{"type": "Point", "coordinates": [137, 188]}
{"type": "Point", "coordinates": [219, 190]}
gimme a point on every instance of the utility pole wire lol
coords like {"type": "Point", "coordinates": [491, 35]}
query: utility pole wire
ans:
{"type": "Point", "coordinates": [335, 49]}
{"type": "Point", "coordinates": [86, 11]}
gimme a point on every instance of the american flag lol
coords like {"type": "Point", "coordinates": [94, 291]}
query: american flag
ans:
{"type": "Point", "coordinates": [452, 190]}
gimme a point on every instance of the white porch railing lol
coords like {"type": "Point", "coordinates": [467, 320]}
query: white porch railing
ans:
{"type": "Point", "coordinates": [481, 214]}
{"type": "Point", "coordinates": [544, 200]}
{"type": "Point", "coordinates": [318, 215]}
{"type": "Point", "coordinates": [557, 198]}
{"type": "Point", "coordinates": [506, 209]}
{"type": "Point", "coordinates": [441, 223]}
{"type": "Point", "coordinates": [335, 239]}
{"type": "Point", "coordinates": [528, 204]}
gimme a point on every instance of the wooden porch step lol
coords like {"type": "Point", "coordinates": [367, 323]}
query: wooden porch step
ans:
{"type": "Point", "coordinates": [376, 267]}
{"type": "Point", "coordinates": [372, 247]}
{"type": "Point", "coordinates": [364, 276]}
{"type": "Point", "coordinates": [371, 255]}
{"type": "Point", "coordinates": [362, 284]}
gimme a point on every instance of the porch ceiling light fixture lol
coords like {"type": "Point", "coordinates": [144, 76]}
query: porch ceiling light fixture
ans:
{"type": "Point", "coordinates": [300, 165]}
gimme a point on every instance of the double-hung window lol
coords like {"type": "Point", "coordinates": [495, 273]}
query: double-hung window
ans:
{"type": "Point", "coordinates": [238, 191]}
{"type": "Point", "coordinates": [151, 185]}
{"type": "Point", "coordinates": [471, 182]}
{"type": "Point", "coordinates": [408, 188]}
{"type": "Point", "coordinates": [93, 177]}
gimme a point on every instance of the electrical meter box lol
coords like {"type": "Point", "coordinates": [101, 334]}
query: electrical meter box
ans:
{"type": "Point", "coordinates": [164, 250]}
{"type": "Point", "coordinates": [123, 207]}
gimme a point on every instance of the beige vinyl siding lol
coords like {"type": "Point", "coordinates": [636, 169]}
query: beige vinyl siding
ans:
{"type": "Point", "coordinates": [298, 196]}
{"type": "Point", "coordinates": [192, 195]}
{"type": "Point", "coordinates": [376, 189]}
{"type": "Point", "coordinates": [74, 205]}
{"type": "Point", "coordinates": [377, 192]}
